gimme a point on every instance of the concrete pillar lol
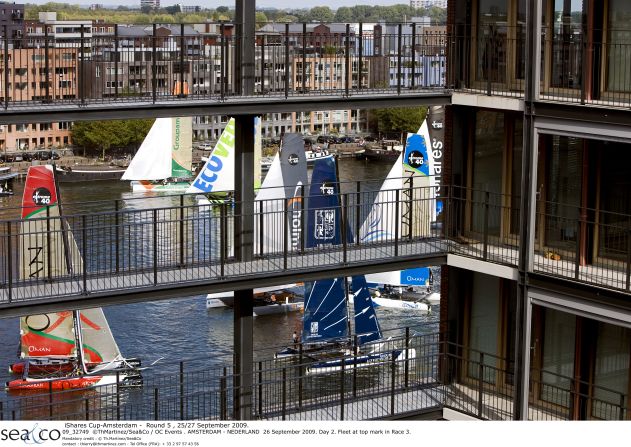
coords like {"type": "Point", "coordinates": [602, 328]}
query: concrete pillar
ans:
{"type": "Point", "coordinates": [245, 20]}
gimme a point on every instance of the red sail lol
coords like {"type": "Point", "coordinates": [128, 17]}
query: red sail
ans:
{"type": "Point", "coordinates": [39, 191]}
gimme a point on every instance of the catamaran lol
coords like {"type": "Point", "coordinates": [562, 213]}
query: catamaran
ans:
{"type": "Point", "coordinates": [68, 349]}
{"type": "Point", "coordinates": [326, 322]}
{"type": "Point", "coordinates": [163, 162]}
{"type": "Point", "coordinates": [284, 182]}
{"type": "Point", "coordinates": [413, 175]}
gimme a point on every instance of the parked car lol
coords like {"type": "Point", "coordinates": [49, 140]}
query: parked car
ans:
{"type": "Point", "coordinates": [54, 155]}
{"type": "Point", "coordinates": [18, 156]}
{"type": "Point", "coordinates": [42, 155]}
{"type": "Point", "coordinates": [28, 156]}
{"type": "Point", "coordinates": [206, 146]}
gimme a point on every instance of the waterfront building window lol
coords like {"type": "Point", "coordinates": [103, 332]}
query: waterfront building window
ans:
{"type": "Point", "coordinates": [483, 330]}
{"type": "Point", "coordinates": [565, 44]}
{"type": "Point", "coordinates": [558, 357]}
{"type": "Point", "coordinates": [619, 46]}
{"type": "Point", "coordinates": [492, 33]}
{"type": "Point", "coordinates": [611, 370]}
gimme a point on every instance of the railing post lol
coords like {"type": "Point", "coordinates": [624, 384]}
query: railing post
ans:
{"type": "Point", "coordinates": [6, 68]}
{"type": "Point", "coordinates": [9, 263]}
{"type": "Point", "coordinates": [156, 406]}
{"type": "Point", "coordinates": [287, 70]}
{"type": "Point", "coordinates": [347, 62]}
{"type": "Point", "coordinates": [284, 404]}
{"type": "Point", "coordinates": [116, 61]}
{"type": "Point", "coordinates": [577, 260]}
{"type": "Point", "coordinates": [344, 228]}
{"type": "Point", "coordinates": [84, 247]}
{"type": "Point", "coordinates": [81, 86]}
{"type": "Point", "coordinates": [355, 347]}
{"type": "Point", "coordinates": [155, 246]}
{"type": "Point", "coordinates": [411, 209]}
{"type": "Point", "coordinates": [485, 236]}
{"type": "Point", "coordinates": [357, 212]}
{"type": "Point", "coordinates": [223, 397]}
{"type": "Point", "coordinates": [154, 65]}
{"type": "Point", "coordinates": [300, 373]}
{"type": "Point", "coordinates": [621, 413]}
{"type": "Point", "coordinates": [407, 351]}
{"type": "Point", "coordinates": [181, 229]}
{"type": "Point", "coordinates": [480, 384]}
{"type": "Point", "coordinates": [261, 228]}
{"type": "Point", "coordinates": [304, 57]}
{"type": "Point", "coordinates": [573, 394]}
{"type": "Point", "coordinates": [303, 220]}
{"type": "Point", "coordinates": [50, 399]}
{"type": "Point", "coordinates": [399, 45]}
{"type": "Point", "coordinates": [488, 60]}
{"type": "Point", "coordinates": [583, 69]}
{"type": "Point", "coordinates": [182, 41]}
{"type": "Point", "coordinates": [117, 237]}
{"type": "Point", "coordinates": [48, 247]}
{"type": "Point", "coordinates": [223, 237]}
{"type": "Point", "coordinates": [413, 80]}
{"type": "Point", "coordinates": [87, 409]}
{"type": "Point", "coordinates": [182, 391]}
{"type": "Point", "coordinates": [222, 68]}
{"type": "Point", "coordinates": [118, 397]}
{"type": "Point", "coordinates": [628, 259]}
{"type": "Point", "coordinates": [263, 65]}
{"type": "Point", "coordinates": [285, 234]}
{"type": "Point", "coordinates": [46, 65]}
{"type": "Point", "coordinates": [260, 387]}
{"type": "Point", "coordinates": [360, 62]}
{"type": "Point", "coordinates": [396, 223]}
{"type": "Point", "coordinates": [2, 403]}
{"type": "Point", "coordinates": [393, 377]}
{"type": "Point", "coordinates": [342, 388]}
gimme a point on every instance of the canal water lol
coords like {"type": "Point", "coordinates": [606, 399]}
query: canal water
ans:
{"type": "Point", "coordinates": [164, 333]}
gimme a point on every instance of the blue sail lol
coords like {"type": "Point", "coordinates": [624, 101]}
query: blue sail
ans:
{"type": "Point", "coordinates": [366, 323]}
{"type": "Point", "coordinates": [325, 315]}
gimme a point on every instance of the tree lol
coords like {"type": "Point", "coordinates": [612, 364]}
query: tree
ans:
{"type": "Point", "coordinates": [321, 14]}
{"type": "Point", "coordinates": [104, 135]}
{"type": "Point", "coordinates": [344, 14]}
{"type": "Point", "coordinates": [399, 121]}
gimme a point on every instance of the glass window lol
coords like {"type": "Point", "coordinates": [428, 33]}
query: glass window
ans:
{"type": "Point", "coordinates": [558, 357]}
{"type": "Point", "coordinates": [567, 39]}
{"type": "Point", "coordinates": [611, 371]}
{"type": "Point", "coordinates": [487, 169]}
{"type": "Point", "coordinates": [619, 48]}
{"type": "Point", "coordinates": [483, 331]}
{"type": "Point", "coordinates": [492, 40]}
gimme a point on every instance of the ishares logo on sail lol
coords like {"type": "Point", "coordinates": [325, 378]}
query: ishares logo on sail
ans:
{"type": "Point", "coordinates": [42, 196]}
{"type": "Point", "coordinates": [293, 159]}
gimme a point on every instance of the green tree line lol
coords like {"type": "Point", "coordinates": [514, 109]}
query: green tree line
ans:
{"type": "Point", "coordinates": [97, 137]}
{"type": "Point", "coordinates": [172, 14]}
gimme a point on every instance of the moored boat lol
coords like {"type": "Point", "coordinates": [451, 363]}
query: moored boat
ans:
{"type": "Point", "coordinates": [68, 174]}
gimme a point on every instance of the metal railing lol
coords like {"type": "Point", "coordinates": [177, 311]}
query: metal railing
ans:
{"type": "Point", "coordinates": [166, 62]}
{"type": "Point", "coordinates": [180, 242]}
{"type": "Point", "coordinates": [438, 375]}
{"type": "Point", "coordinates": [490, 59]}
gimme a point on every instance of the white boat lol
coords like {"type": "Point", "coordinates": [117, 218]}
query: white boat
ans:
{"type": "Point", "coordinates": [6, 181]}
{"type": "Point", "coordinates": [67, 349]}
{"type": "Point", "coordinates": [226, 299]}
{"type": "Point", "coordinates": [316, 154]}
{"type": "Point", "coordinates": [394, 303]}
{"type": "Point", "coordinates": [163, 162]}
{"type": "Point", "coordinates": [414, 167]}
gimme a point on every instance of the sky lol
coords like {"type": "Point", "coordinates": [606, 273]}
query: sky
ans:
{"type": "Point", "coordinates": [280, 4]}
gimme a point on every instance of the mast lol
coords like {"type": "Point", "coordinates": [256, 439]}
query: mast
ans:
{"type": "Point", "coordinates": [344, 228]}
{"type": "Point", "coordinates": [76, 319]}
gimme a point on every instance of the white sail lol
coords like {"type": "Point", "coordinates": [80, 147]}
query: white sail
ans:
{"type": "Point", "coordinates": [153, 159]}
{"type": "Point", "coordinates": [217, 175]}
{"type": "Point", "coordinates": [99, 345]}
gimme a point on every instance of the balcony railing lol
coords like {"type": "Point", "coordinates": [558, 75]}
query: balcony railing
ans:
{"type": "Point", "coordinates": [490, 60]}
{"type": "Point", "coordinates": [177, 61]}
{"type": "Point", "coordinates": [162, 242]}
{"type": "Point", "coordinates": [438, 375]}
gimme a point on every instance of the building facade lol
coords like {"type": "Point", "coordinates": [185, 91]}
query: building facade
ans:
{"type": "Point", "coordinates": [540, 136]}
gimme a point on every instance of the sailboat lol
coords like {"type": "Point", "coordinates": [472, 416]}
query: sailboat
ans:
{"type": "Point", "coordinates": [283, 183]}
{"type": "Point", "coordinates": [326, 322]}
{"type": "Point", "coordinates": [413, 175]}
{"type": "Point", "coordinates": [67, 349]}
{"type": "Point", "coordinates": [163, 162]}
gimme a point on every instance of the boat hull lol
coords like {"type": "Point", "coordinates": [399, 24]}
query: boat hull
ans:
{"type": "Point", "coordinates": [88, 175]}
{"type": "Point", "coordinates": [145, 186]}
{"type": "Point", "coordinates": [281, 308]}
{"type": "Point", "coordinates": [363, 361]}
